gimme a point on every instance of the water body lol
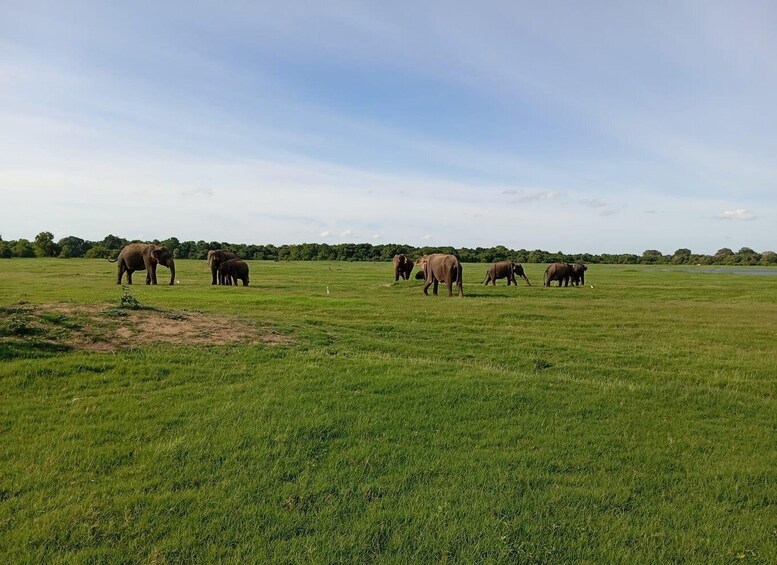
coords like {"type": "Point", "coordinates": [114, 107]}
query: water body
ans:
{"type": "Point", "coordinates": [767, 272]}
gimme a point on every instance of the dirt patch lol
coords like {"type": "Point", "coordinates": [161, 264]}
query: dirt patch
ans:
{"type": "Point", "coordinates": [106, 328]}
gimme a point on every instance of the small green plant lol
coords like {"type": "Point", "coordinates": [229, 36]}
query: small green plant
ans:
{"type": "Point", "coordinates": [127, 301]}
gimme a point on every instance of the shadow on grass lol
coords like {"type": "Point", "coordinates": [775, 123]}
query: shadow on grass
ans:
{"type": "Point", "coordinates": [14, 349]}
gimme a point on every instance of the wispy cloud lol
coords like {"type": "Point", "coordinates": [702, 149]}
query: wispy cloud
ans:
{"type": "Point", "coordinates": [524, 196]}
{"type": "Point", "coordinates": [738, 214]}
{"type": "Point", "coordinates": [593, 203]}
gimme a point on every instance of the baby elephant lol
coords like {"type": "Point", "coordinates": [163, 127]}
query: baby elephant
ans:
{"type": "Point", "coordinates": [234, 270]}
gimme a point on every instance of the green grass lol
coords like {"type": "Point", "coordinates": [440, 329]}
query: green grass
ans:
{"type": "Point", "coordinates": [631, 422]}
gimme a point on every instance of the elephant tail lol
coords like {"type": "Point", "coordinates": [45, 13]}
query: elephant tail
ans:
{"type": "Point", "coordinates": [113, 260]}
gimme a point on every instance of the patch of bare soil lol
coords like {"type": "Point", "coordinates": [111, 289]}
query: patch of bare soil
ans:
{"type": "Point", "coordinates": [106, 328]}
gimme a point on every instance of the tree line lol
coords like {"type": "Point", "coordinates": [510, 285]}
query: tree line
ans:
{"type": "Point", "coordinates": [44, 246]}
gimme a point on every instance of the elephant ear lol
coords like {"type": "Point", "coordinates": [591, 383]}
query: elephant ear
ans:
{"type": "Point", "coordinates": [155, 255]}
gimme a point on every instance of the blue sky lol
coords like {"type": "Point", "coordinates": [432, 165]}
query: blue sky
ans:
{"type": "Point", "coordinates": [597, 126]}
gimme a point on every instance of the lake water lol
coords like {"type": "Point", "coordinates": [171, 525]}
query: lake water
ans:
{"type": "Point", "coordinates": [733, 271]}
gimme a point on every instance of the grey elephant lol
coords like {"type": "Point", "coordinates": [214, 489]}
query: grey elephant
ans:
{"type": "Point", "coordinates": [441, 267]}
{"type": "Point", "coordinates": [215, 258]}
{"type": "Point", "coordinates": [137, 256]}
{"type": "Point", "coordinates": [234, 270]}
{"type": "Point", "coordinates": [403, 266]}
{"type": "Point", "coordinates": [502, 269]}
{"type": "Point", "coordinates": [577, 276]}
{"type": "Point", "coordinates": [560, 272]}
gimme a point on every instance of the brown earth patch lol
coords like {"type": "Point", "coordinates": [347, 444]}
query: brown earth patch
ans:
{"type": "Point", "coordinates": [106, 328]}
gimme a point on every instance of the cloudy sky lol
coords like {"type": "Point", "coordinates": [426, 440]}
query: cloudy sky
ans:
{"type": "Point", "coordinates": [574, 126]}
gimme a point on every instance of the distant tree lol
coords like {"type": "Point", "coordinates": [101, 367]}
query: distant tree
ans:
{"type": "Point", "coordinates": [77, 246]}
{"type": "Point", "coordinates": [113, 242]}
{"type": "Point", "coordinates": [44, 245]}
{"type": "Point", "coordinates": [681, 256]}
{"type": "Point", "coordinates": [723, 256]}
{"type": "Point", "coordinates": [100, 251]}
{"type": "Point", "coordinates": [746, 256]}
{"type": "Point", "coordinates": [23, 248]}
{"type": "Point", "coordinates": [171, 243]}
{"type": "Point", "coordinates": [651, 256]}
{"type": "Point", "coordinates": [768, 258]}
{"type": "Point", "coordinates": [5, 250]}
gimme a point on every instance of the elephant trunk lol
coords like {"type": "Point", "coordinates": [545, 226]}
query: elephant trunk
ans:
{"type": "Point", "coordinates": [526, 279]}
{"type": "Point", "coordinates": [171, 266]}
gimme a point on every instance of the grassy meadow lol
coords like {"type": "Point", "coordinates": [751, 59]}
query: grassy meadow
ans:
{"type": "Point", "coordinates": [632, 420]}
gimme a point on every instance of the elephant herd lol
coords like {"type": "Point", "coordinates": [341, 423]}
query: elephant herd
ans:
{"type": "Point", "coordinates": [445, 268]}
{"type": "Point", "coordinates": [227, 268]}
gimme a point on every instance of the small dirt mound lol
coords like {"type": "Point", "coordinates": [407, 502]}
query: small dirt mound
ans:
{"type": "Point", "coordinates": [108, 328]}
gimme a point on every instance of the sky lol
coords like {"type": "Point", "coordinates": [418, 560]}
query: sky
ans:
{"type": "Point", "coordinates": [603, 127]}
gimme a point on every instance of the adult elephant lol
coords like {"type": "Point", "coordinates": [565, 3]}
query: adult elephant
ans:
{"type": "Point", "coordinates": [442, 267]}
{"type": "Point", "coordinates": [136, 256]}
{"type": "Point", "coordinates": [560, 272]}
{"type": "Point", "coordinates": [577, 276]}
{"type": "Point", "coordinates": [215, 258]}
{"type": "Point", "coordinates": [403, 266]}
{"type": "Point", "coordinates": [234, 270]}
{"type": "Point", "coordinates": [502, 269]}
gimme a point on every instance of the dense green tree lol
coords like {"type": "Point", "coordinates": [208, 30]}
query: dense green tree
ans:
{"type": "Point", "coordinates": [5, 250]}
{"type": "Point", "coordinates": [722, 256]}
{"type": "Point", "coordinates": [23, 248]}
{"type": "Point", "coordinates": [100, 251]}
{"type": "Point", "coordinates": [681, 256]}
{"type": "Point", "coordinates": [651, 256]}
{"type": "Point", "coordinates": [77, 247]}
{"type": "Point", "coordinates": [768, 258]}
{"type": "Point", "coordinates": [113, 242]}
{"type": "Point", "coordinates": [44, 245]}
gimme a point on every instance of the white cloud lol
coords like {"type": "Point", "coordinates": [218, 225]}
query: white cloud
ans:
{"type": "Point", "coordinates": [377, 236]}
{"type": "Point", "coordinates": [325, 234]}
{"type": "Point", "coordinates": [348, 233]}
{"type": "Point", "coordinates": [738, 214]}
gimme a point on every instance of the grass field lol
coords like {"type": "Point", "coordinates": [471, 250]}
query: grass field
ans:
{"type": "Point", "coordinates": [631, 422]}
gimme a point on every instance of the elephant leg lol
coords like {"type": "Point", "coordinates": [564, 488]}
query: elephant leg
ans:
{"type": "Point", "coordinates": [129, 276]}
{"type": "Point", "coordinates": [213, 273]}
{"type": "Point", "coordinates": [426, 287]}
{"type": "Point", "coordinates": [120, 269]}
{"type": "Point", "coordinates": [450, 285]}
{"type": "Point", "coordinates": [153, 274]}
{"type": "Point", "coordinates": [434, 289]}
